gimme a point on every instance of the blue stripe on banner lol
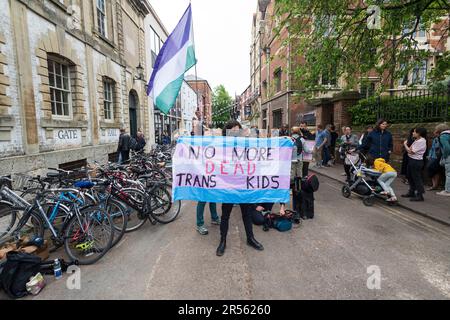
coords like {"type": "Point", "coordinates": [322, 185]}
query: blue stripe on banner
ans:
{"type": "Point", "coordinates": [231, 196]}
{"type": "Point", "coordinates": [235, 141]}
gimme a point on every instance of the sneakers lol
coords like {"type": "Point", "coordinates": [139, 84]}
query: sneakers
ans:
{"type": "Point", "coordinates": [443, 193]}
{"type": "Point", "coordinates": [202, 230]}
{"type": "Point", "coordinates": [216, 222]}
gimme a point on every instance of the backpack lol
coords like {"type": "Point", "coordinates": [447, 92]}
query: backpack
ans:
{"type": "Point", "coordinates": [299, 145]}
{"type": "Point", "coordinates": [133, 144]}
{"type": "Point", "coordinates": [281, 223]}
{"type": "Point", "coordinates": [17, 271]}
{"type": "Point", "coordinates": [310, 183]}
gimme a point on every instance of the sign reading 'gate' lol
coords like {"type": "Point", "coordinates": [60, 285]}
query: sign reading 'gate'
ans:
{"type": "Point", "coordinates": [232, 169]}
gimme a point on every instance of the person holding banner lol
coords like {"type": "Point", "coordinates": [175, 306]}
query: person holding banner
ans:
{"type": "Point", "coordinates": [200, 213]}
{"type": "Point", "coordinates": [235, 126]}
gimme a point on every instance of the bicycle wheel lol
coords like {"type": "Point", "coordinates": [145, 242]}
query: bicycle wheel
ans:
{"type": "Point", "coordinates": [88, 236]}
{"type": "Point", "coordinates": [162, 208]}
{"type": "Point", "coordinates": [135, 215]}
{"type": "Point", "coordinates": [32, 228]}
{"type": "Point", "coordinates": [119, 217]}
{"type": "Point", "coordinates": [7, 218]}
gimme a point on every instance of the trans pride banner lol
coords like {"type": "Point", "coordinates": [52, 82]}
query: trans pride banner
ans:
{"type": "Point", "coordinates": [232, 169]}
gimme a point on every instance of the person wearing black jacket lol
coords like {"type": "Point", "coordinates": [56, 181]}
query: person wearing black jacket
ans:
{"type": "Point", "coordinates": [234, 125]}
{"type": "Point", "coordinates": [379, 142]}
{"type": "Point", "coordinates": [123, 148]}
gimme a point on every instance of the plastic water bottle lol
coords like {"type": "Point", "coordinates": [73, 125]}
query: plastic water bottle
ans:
{"type": "Point", "coordinates": [57, 269]}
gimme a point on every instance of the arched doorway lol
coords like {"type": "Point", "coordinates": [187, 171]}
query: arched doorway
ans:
{"type": "Point", "coordinates": [133, 102]}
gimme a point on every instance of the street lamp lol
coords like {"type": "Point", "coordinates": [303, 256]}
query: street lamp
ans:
{"type": "Point", "coordinates": [140, 72]}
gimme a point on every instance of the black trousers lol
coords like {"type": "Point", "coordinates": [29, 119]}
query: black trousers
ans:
{"type": "Point", "coordinates": [246, 218]}
{"type": "Point", "coordinates": [347, 168]}
{"type": "Point", "coordinates": [305, 168]}
{"type": "Point", "coordinates": [415, 178]}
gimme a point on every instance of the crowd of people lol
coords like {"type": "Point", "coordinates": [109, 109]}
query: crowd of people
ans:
{"type": "Point", "coordinates": [376, 143]}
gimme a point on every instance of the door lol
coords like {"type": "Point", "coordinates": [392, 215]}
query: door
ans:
{"type": "Point", "coordinates": [133, 104]}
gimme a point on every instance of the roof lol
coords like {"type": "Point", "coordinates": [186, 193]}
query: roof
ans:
{"type": "Point", "coordinates": [191, 77]}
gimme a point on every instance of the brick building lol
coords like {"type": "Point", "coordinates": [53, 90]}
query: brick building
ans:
{"type": "Point", "coordinates": [70, 76]}
{"type": "Point", "coordinates": [272, 62]}
{"type": "Point", "coordinates": [204, 94]}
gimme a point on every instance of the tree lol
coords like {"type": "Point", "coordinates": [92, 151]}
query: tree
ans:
{"type": "Point", "coordinates": [221, 105]}
{"type": "Point", "coordinates": [337, 36]}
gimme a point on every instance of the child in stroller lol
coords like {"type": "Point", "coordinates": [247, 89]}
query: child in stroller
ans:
{"type": "Point", "coordinates": [363, 180]}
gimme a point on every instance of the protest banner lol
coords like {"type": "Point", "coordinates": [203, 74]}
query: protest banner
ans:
{"type": "Point", "coordinates": [308, 150]}
{"type": "Point", "coordinates": [232, 169]}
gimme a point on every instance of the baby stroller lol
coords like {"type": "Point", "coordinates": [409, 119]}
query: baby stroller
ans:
{"type": "Point", "coordinates": [363, 181]}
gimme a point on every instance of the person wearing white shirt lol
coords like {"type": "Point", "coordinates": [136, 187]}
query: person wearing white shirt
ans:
{"type": "Point", "coordinates": [415, 164]}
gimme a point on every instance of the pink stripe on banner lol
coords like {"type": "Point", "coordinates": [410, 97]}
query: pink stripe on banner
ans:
{"type": "Point", "coordinates": [232, 182]}
{"type": "Point", "coordinates": [226, 153]}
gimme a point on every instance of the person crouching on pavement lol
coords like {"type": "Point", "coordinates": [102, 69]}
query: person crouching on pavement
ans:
{"type": "Point", "coordinates": [388, 175]}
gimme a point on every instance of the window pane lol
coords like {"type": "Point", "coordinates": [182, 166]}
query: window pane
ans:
{"type": "Point", "coordinates": [65, 97]}
{"type": "Point", "coordinates": [66, 83]}
{"type": "Point", "coordinates": [51, 79]}
{"type": "Point", "coordinates": [66, 109]}
{"type": "Point", "coordinates": [58, 81]}
{"type": "Point", "coordinates": [58, 108]}
{"type": "Point", "coordinates": [53, 107]}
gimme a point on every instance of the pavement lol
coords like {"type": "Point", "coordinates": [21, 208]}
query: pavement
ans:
{"type": "Point", "coordinates": [434, 207]}
{"type": "Point", "coordinates": [333, 256]}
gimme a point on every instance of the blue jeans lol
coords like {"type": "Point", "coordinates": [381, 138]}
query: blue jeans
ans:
{"type": "Point", "coordinates": [447, 173]}
{"type": "Point", "coordinates": [201, 210]}
{"type": "Point", "coordinates": [385, 181]}
{"type": "Point", "coordinates": [326, 155]}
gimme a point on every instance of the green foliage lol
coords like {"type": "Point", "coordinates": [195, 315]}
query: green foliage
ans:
{"type": "Point", "coordinates": [221, 105]}
{"type": "Point", "coordinates": [399, 110]}
{"type": "Point", "coordinates": [333, 35]}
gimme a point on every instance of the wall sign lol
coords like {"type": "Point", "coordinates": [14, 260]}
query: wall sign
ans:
{"type": "Point", "coordinates": [67, 137]}
{"type": "Point", "coordinates": [109, 135]}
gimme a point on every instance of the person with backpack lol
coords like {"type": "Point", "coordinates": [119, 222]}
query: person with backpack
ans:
{"type": "Point", "coordinates": [123, 149]}
{"type": "Point", "coordinates": [433, 166]}
{"type": "Point", "coordinates": [140, 141]}
{"type": "Point", "coordinates": [444, 143]}
{"type": "Point", "coordinates": [349, 142]}
{"type": "Point", "coordinates": [297, 163]}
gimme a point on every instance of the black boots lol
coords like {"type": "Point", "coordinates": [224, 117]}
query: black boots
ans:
{"type": "Point", "coordinates": [408, 195]}
{"type": "Point", "coordinates": [250, 241]}
{"type": "Point", "coordinates": [418, 197]}
{"type": "Point", "coordinates": [255, 244]}
{"type": "Point", "coordinates": [221, 248]}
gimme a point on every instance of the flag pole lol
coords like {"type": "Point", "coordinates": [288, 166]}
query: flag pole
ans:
{"type": "Point", "coordinates": [196, 78]}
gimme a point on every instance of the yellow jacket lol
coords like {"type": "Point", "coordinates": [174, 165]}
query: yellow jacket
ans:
{"type": "Point", "coordinates": [382, 166]}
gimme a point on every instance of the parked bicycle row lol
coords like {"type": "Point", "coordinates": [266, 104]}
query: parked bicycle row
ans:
{"type": "Point", "coordinates": [87, 211]}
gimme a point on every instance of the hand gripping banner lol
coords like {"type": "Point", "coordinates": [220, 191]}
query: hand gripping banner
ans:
{"type": "Point", "coordinates": [232, 169]}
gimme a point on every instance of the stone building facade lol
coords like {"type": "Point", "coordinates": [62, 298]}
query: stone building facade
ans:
{"type": "Point", "coordinates": [71, 75]}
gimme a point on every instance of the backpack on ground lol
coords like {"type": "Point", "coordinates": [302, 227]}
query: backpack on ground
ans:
{"type": "Point", "coordinates": [17, 271]}
{"type": "Point", "coordinates": [276, 221]}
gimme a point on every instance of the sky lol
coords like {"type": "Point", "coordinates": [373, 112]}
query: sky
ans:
{"type": "Point", "coordinates": [222, 31]}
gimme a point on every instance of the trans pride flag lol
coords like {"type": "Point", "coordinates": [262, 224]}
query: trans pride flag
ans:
{"type": "Point", "coordinates": [232, 169]}
{"type": "Point", "coordinates": [175, 58]}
